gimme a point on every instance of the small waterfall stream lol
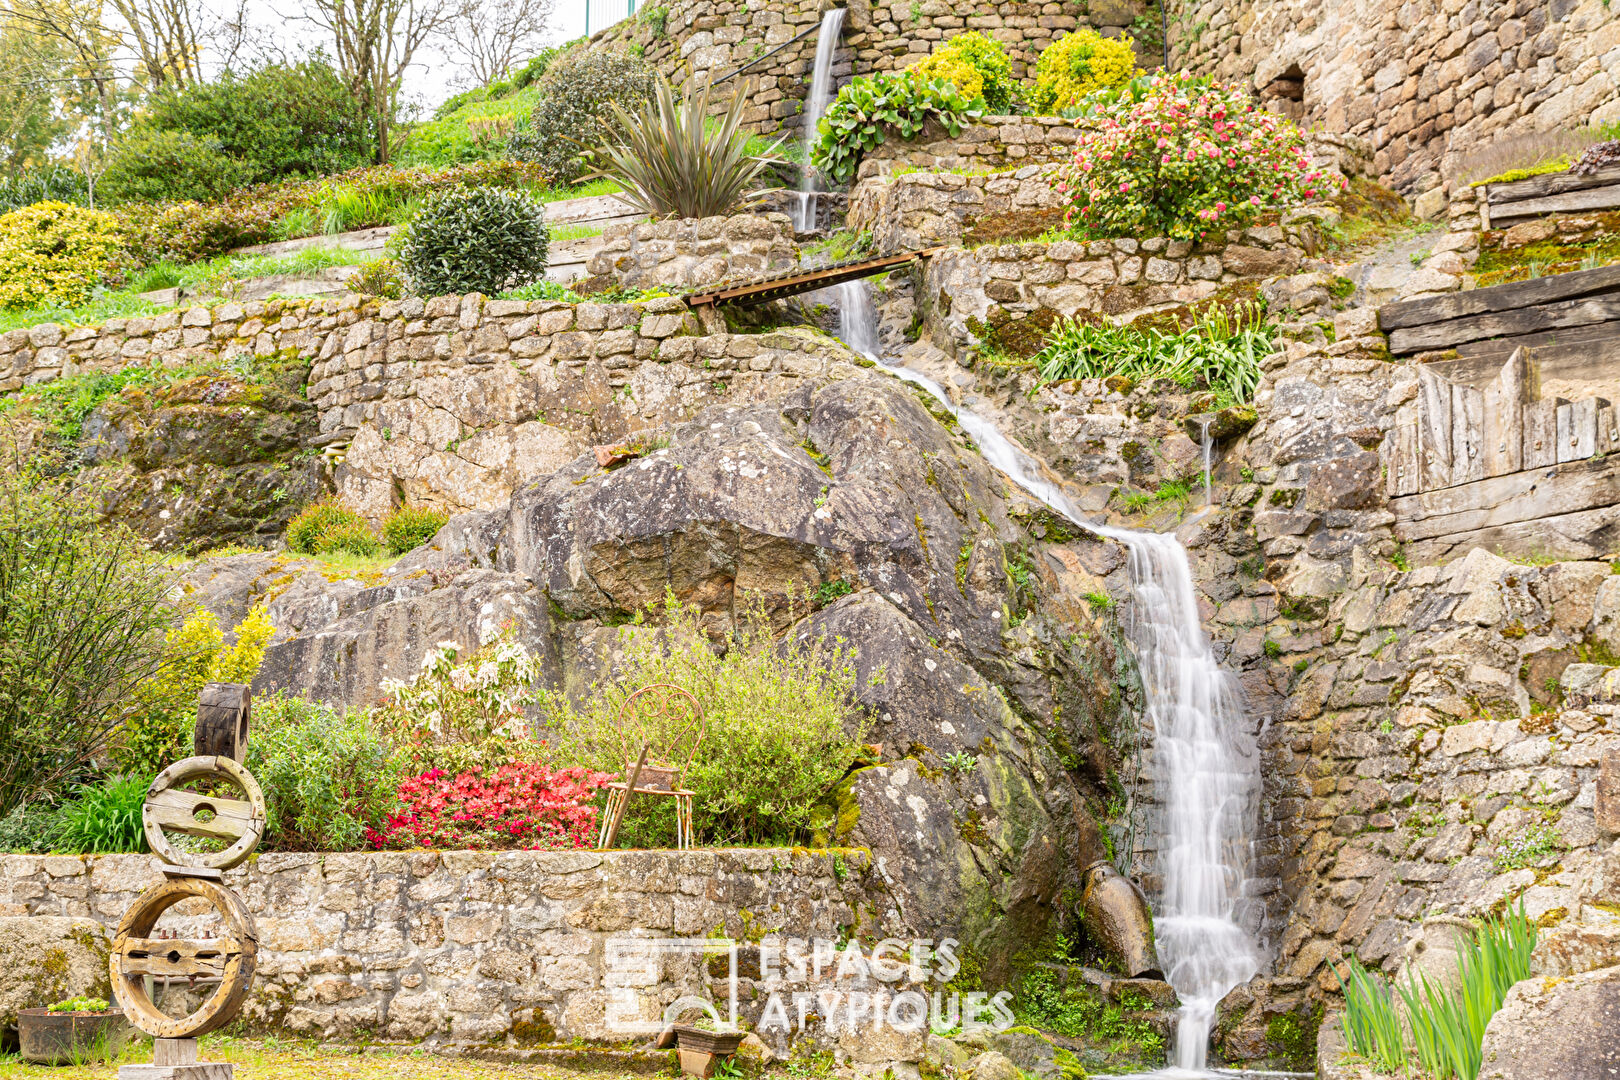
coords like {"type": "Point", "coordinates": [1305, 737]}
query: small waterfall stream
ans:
{"type": "Point", "coordinates": [815, 103]}
{"type": "Point", "coordinates": [1206, 765]}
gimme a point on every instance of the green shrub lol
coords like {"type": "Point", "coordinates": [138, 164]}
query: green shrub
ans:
{"type": "Point", "coordinates": [380, 278]}
{"type": "Point", "coordinates": [327, 775]}
{"type": "Point", "coordinates": [349, 538]}
{"type": "Point", "coordinates": [104, 817]}
{"type": "Point", "coordinates": [157, 165]}
{"type": "Point", "coordinates": [1078, 64]}
{"type": "Point", "coordinates": [309, 525]}
{"type": "Point", "coordinates": [977, 66]}
{"type": "Point", "coordinates": [49, 183]}
{"type": "Point", "coordinates": [1221, 350]}
{"type": "Point", "coordinates": [782, 720]}
{"type": "Point", "coordinates": [535, 68]}
{"type": "Point", "coordinates": [83, 607]}
{"type": "Point", "coordinates": [672, 159]}
{"type": "Point", "coordinates": [30, 829]}
{"type": "Point", "coordinates": [1180, 156]}
{"type": "Point", "coordinates": [572, 114]}
{"type": "Point", "coordinates": [163, 714]}
{"type": "Point", "coordinates": [277, 122]}
{"type": "Point", "coordinates": [480, 240]}
{"type": "Point", "coordinates": [409, 527]}
{"type": "Point", "coordinates": [54, 253]}
{"type": "Point", "coordinates": [867, 109]}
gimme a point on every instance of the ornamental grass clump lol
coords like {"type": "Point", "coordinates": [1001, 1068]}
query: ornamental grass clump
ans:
{"type": "Point", "coordinates": [330, 526]}
{"type": "Point", "coordinates": [409, 527]}
{"type": "Point", "coordinates": [673, 160]}
{"type": "Point", "coordinates": [1183, 157]}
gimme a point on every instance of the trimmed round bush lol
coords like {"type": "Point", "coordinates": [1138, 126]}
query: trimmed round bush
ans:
{"type": "Point", "coordinates": [55, 253]}
{"type": "Point", "coordinates": [474, 240]}
{"type": "Point", "coordinates": [1078, 64]}
{"type": "Point", "coordinates": [572, 114]}
{"type": "Point", "coordinates": [978, 66]}
{"type": "Point", "coordinates": [329, 525]}
{"type": "Point", "coordinates": [410, 527]}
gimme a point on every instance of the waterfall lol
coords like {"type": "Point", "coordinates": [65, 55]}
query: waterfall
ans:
{"type": "Point", "coordinates": [1207, 767]}
{"type": "Point", "coordinates": [815, 103]}
{"type": "Point", "coordinates": [1208, 448]}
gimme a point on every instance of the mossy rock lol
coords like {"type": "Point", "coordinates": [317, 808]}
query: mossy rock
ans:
{"type": "Point", "coordinates": [50, 959]}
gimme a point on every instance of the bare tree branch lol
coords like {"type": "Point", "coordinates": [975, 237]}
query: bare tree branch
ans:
{"type": "Point", "coordinates": [489, 36]}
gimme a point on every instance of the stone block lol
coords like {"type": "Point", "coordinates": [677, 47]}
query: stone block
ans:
{"type": "Point", "coordinates": [1606, 807]}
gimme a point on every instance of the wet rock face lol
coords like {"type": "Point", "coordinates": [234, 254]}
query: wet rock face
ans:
{"type": "Point", "coordinates": [848, 510]}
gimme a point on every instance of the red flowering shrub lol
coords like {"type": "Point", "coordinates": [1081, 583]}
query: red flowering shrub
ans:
{"type": "Point", "coordinates": [522, 805]}
{"type": "Point", "coordinates": [1180, 156]}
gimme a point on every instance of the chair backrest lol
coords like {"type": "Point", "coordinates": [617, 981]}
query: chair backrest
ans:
{"type": "Point", "coordinates": [668, 721]}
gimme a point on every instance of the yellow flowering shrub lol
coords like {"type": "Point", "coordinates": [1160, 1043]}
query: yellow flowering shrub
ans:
{"type": "Point", "coordinates": [978, 66]}
{"type": "Point", "coordinates": [1078, 64]}
{"type": "Point", "coordinates": [160, 730]}
{"type": "Point", "coordinates": [54, 253]}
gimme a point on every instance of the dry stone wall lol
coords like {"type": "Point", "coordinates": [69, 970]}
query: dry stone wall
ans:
{"type": "Point", "coordinates": [489, 948]}
{"type": "Point", "coordinates": [453, 401]}
{"type": "Point", "coordinates": [690, 253]}
{"type": "Point", "coordinates": [993, 142]}
{"type": "Point", "coordinates": [1424, 82]}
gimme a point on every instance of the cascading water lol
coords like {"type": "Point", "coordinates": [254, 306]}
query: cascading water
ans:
{"type": "Point", "coordinates": [815, 103]}
{"type": "Point", "coordinates": [1205, 760]}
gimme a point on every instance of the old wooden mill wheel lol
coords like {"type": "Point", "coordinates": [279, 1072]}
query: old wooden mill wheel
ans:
{"type": "Point", "coordinates": [140, 954]}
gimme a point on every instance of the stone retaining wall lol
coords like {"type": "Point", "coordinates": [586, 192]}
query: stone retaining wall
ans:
{"type": "Point", "coordinates": [453, 401]}
{"type": "Point", "coordinates": [689, 253]}
{"type": "Point", "coordinates": [1424, 82]}
{"type": "Point", "coordinates": [964, 290]}
{"type": "Point", "coordinates": [993, 142]}
{"type": "Point", "coordinates": [494, 948]}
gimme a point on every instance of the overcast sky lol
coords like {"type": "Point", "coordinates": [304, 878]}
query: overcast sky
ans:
{"type": "Point", "coordinates": [432, 77]}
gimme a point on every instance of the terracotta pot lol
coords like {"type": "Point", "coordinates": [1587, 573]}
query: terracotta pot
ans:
{"type": "Point", "coordinates": [63, 1038]}
{"type": "Point", "coordinates": [1116, 916]}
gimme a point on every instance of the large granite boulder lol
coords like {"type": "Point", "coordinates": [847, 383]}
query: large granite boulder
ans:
{"type": "Point", "coordinates": [846, 508]}
{"type": "Point", "coordinates": [1556, 1029]}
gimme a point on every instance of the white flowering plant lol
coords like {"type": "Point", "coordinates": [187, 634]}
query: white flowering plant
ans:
{"type": "Point", "coordinates": [460, 713]}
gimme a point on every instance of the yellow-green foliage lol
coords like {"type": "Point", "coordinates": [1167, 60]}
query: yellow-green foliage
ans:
{"type": "Point", "coordinates": [978, 66]}
{"type": "Point", "coordinates": [409, 527]}
{"type": "Point", "coordinates": [159, 731]}
{"type": "Point", "coordinates": [1074, 66]}
{"type": "Point", "coordinates": [781, 721]}
{"type": "Point", "coordinates": [327, 526]}
{"type": "Point", "coordinates": [54, 253]}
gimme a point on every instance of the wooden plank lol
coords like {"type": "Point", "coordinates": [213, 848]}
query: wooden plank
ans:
{"type": "Point", "coordinates": [1590, 200]}
{"type": "Point", "coordinates": [1405, 472]}
{"type": "Point", "coordinates": [1535, 187]}
{"type": "Point", "coordinates": [177, 957]}
{"type": "Point", "coordinates": [1434, 426]}
{"type": "Point", "coordinates": [1443, 335]}
{"type": "Point", "coordinates": [1608, 436]}
{"type": "Point", "coordinates": [1467, 434]}
{"type": "Point", "coordinates": [1513, 295]}
{"type": "Point", "coordinates": [1504, 500]}
{"type": "Point", "coordinates": [1578, 428]}
{"type": "Point", "coordinates": [1505, 399]}
{"type": "Point", "coordinates": [1541, 433]}
{"type": "Point", "coordinates": [177, 811]}
{"type": "Point", "coordinates": [791, 284]}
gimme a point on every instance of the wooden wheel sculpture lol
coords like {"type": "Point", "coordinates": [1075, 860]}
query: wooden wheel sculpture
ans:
{"type": "Point", "coordinates": [238, 822]}
{"type": "Point", "coordinates": [141, 953]}
{"type": "Point", "coordinates": [231, 958]}
{"type": "Point", "coordinates": [661, 718]}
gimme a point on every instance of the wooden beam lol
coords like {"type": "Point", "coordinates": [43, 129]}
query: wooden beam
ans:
{"type": "Point", "coordinates": [1525, 320]}
{"type": "Point", "coordinates": [1587, 201]}
{"type": "Point", "coordinates": [1541, 433]}
{"type": "Point", "coordinates": [176, 811]}
{"type": "Point", "coordinates": [762, 290]}
{"type": "Point", "coordinates": [1434, 430]}
{"type": "Point", "coordinates": [1467, 434]}
{"type": "Point", "coordinates": [1515, 294]}
{"type": "Point", "coordinates": [1504, 500]}
{"type": "Point", "coordinates": [1505, 400]}
{"type": "Point", "coordinates": [1535, 187]}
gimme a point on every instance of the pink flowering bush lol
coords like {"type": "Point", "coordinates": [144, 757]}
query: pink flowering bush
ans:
{"type": "Point", "coordinates": [521, 805]}
{"type": "Point", "coordinates": [1180, 156]}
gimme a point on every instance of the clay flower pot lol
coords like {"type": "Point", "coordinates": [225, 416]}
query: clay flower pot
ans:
{"type": "Point", "coordinates": [66, 1038]}
{"type": "Point", "coordinates": [699, 1050]}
